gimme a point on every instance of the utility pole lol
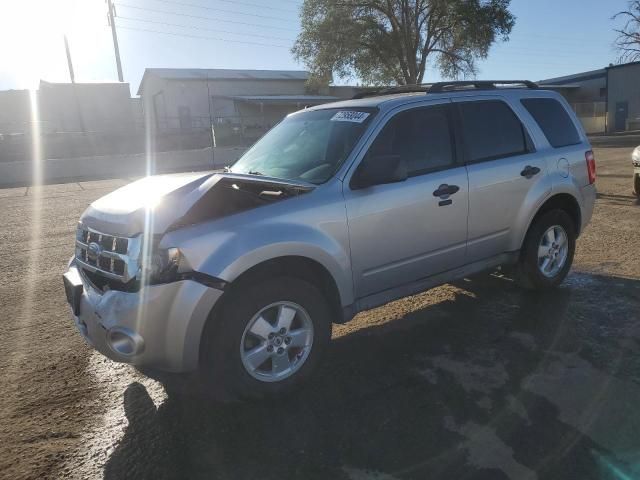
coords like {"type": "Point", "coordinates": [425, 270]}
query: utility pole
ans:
{"type": "Point", "coordinates": [212, 131]}
{"type": "Point", "coordinates": [114, 34]}
{"type": "Point", "coordinates": [69, 63]}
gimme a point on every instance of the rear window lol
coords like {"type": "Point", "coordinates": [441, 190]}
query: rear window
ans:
{"type": "Point", "coordinates": [491, 130]}
{"type": "Point", "coordinates": [554, 121]}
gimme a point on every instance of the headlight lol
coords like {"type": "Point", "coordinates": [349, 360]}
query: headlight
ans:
{"type": "Point", "coordinates": [162, 265]}
{"type": "Point", "coordinates": [635, 157]}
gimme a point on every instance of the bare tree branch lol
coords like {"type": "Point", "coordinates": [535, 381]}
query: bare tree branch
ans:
{"type": "Point", "coordinates": [628, 41]}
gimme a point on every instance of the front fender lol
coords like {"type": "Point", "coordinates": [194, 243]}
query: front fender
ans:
{"type": "Point", "coordinates": [231, 262]}
{"type": "Point", "coordinates": [315, 229]}
{"type": "Point", "coordinates": [234, 257]}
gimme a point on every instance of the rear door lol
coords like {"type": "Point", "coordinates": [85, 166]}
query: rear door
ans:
{"type": "Point", "coordinates": [406, 231]}
{"type": "Point", "coordinates": [504, 170]}
{"type": "Point", "coordinates": [566, 145]}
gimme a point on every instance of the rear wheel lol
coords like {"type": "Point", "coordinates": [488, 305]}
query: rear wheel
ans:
{"type": "Point", "coordinates": [636, 185]}
{"type": "Point", "coordinates": [547, 253]}
{"type": "Point", "coordinates": [268, 339]}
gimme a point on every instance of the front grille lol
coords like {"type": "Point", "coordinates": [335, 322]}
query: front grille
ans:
{"type": "Point", "coordinates": [115, 258]}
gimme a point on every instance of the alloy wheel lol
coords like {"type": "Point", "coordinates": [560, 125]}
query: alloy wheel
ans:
{"type": "Point", "coordinates": [277, 341]}
{"type": "Point", "coordinates": [553, 251]}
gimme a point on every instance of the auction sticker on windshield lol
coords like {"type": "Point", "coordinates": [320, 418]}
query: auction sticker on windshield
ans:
{"type": "Point", "coordinates": [350, 116]}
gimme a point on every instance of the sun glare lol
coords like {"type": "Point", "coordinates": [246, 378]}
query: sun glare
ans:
{"type": "Point", "coordinates": [32, 32]}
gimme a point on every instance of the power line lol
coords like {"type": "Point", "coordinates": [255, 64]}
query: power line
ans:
{"type": "Point", "coordinates": [200, 17]}
{"type": "Point", "coordinates": [186, 35]}
{"type": "Point", "coordinates": [194, 27]}
{"type": "Point", "coordinates": [234, 2]}
{"type": "Point", "coordinates": [222, 10]}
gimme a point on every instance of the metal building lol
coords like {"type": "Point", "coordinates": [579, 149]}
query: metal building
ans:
{"type": "Point", "coordinates": [239, 105]}
{"type": "Point", "coordinates": [606, 100]}
{"type": "Point", "coordinates": [623, 97]}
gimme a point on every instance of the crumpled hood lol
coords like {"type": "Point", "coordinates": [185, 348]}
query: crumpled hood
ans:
{"type": "Point", "coordinates": [156, 203]}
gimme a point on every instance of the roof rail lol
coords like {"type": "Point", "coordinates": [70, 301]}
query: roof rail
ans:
{"type": "Point", "coordinates": [440, 87]}
{"type": "Point", "coordinates": [478, 84]}
{"type": "Point", "coordinates": [422, 87]}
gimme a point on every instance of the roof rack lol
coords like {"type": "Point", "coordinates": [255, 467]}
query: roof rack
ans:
{"type": "Point", "coordinates": [440, 87]}
{"type": "Point", "coordinates": [422, 87]}
{"type": "Point", "coordinates": [479, 85]}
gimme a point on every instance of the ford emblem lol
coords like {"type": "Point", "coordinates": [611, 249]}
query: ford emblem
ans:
{"type": "Point", "coordinates": [93, 251]}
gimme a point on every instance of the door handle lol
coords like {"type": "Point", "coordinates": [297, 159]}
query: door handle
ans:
{"type": "Point", "coordinates": [445, 190]}
{"type": "Point", "coordinates": [529, 171]}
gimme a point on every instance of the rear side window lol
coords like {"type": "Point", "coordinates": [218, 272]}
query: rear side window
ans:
{"type": "Point", "coordinates": [554, 121]}
{"type": "Point", "coordinates": [491, 130]}
{"type": "Point", "coordinates": [421, 137]}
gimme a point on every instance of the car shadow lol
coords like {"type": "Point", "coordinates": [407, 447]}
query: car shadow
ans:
{"type": "Point", "coordinates": [617, 199]}
{"type": "Point", "coordinates": [459, 387]}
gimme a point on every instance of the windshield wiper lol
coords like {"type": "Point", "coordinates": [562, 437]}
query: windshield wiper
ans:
{"type": "Point", "coordinates": [253, 172]}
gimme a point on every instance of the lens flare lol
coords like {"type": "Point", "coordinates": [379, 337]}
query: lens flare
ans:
{"type": "Point", "coordinates": [147, 234]}
{"type": "Point", "coordinates": [35, 231]}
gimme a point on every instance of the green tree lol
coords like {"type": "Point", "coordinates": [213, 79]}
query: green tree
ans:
{"type": "Point", "coordinates": [393, 41]}
{"type": "Point", "coordinates": [628, 41]}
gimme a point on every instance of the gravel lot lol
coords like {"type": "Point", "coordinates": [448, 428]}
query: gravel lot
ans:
{"type": "Point", "coordinates": [477, 380]}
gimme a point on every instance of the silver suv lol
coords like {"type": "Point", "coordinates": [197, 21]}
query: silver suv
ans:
{"type": "Point", "coordinates": [338, 209]}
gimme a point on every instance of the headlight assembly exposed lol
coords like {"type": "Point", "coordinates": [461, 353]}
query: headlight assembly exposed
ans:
{"type": "Point", "coordinates": [162, 265]}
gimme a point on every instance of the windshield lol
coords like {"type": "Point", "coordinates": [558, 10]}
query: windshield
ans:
{"type": "Point", "coordinates": [308, 145]}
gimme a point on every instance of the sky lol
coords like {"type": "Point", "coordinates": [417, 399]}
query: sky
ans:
{"type": "Point", "coordinates": [551, 38]}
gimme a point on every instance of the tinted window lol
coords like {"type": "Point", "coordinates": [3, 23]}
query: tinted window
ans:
{"type": "Point", "coordinates": [421, 137]}
{"type": "Point", "coordinates": [491, 130]}
{"type": "Point", "coordinates": [554, 121]}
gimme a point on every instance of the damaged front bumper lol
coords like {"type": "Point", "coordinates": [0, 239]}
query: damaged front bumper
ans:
{"type": "Point", "coordinates": [158, 327]}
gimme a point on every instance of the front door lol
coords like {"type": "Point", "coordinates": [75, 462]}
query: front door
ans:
{"type": "Point", "coordinates": [406, 231]}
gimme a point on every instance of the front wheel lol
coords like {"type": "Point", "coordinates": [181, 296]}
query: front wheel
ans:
{"type": "Point", "coordinates": [636, 184]}
{"type": "Point", "coordinates": [268, 338]}
{"type": "Point", "coordinates": [547, 252]}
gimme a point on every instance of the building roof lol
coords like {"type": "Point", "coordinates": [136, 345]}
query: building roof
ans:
{"type": "Point", "coordinates": [576, 77]}
{"type": "Point", "coordinates": [222, 74]}
{"type": "Point", "coordinates": [621, 65]}
{"type": "Point", "coordinates": [286, 99]}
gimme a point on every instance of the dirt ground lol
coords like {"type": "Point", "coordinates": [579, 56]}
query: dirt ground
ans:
{"type": "Point", "coordinates": [477, 380]}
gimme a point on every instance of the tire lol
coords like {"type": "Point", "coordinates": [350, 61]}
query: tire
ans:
{"type": "Point", "coordinates": [533, 272]}
{"type": "Point", "coordinates": [636, 185]}
{"type": "Point", "coordinates": [232, 344]}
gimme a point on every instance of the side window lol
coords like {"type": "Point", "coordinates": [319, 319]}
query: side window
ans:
{"type": "Point", "coordinates": [492, 130]}
{"type": "Point", "coordinates": [421, 137]}
{"type": "Point", "coordinates": [553, 120]}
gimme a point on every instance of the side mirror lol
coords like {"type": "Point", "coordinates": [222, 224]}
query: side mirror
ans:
{"type": "Point", "coordinates": [378, 170]}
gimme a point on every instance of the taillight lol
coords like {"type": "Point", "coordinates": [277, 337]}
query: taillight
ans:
{"type": "Point", "coordinates": [591, 166]}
